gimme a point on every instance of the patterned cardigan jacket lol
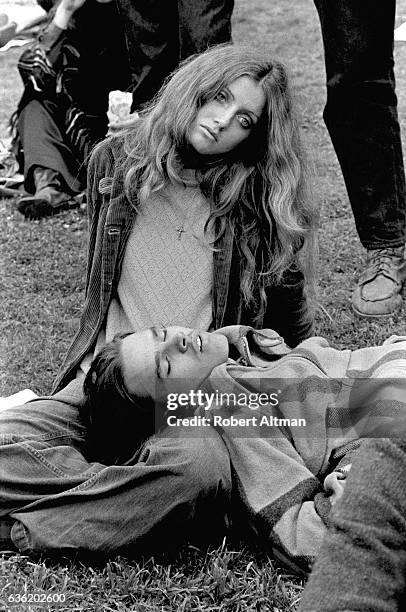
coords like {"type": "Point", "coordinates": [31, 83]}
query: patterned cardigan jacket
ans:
{"type": "Point", "coordinates": [111, 218]}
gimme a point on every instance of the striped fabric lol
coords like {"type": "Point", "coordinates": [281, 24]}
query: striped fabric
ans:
{"type": "Point", "coordinates": [36, 70]}
{"type": "Point", "coordinates": [279, 471]}
{"type": "Point", "coordinates": [111, 217]}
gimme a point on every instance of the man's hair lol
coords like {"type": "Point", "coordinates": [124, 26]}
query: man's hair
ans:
{"type": "Point", "coordinates": [258, 190]}
{"type": "Point", "coordinates": [117, 421]}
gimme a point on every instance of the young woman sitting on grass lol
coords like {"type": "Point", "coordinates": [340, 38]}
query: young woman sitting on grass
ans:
{"type": "Point", "coordinates": [291, 420]}
{"type": "Point", "coordinates": [198, 215]}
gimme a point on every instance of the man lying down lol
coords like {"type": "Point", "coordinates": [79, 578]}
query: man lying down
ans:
{"type": "Point", "coordinates": [176, 432]}
{"type": "Point", "coordinates": [290, 419]}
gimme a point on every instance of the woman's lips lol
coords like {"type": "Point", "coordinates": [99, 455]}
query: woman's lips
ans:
{"type": "Point", "coordinates": [209, 132]}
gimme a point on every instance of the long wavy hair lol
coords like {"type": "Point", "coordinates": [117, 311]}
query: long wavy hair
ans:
{"type": "Point", "coordinates": [259, 190]}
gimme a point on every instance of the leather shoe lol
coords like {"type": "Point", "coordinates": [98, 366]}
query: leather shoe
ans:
{"type": "Point", "coordinates": [378, 291]}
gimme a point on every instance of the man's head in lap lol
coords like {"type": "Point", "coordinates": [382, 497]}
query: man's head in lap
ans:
{"type": "Point", "coordinates": [131, 377]}
{"type": "Point", "coordinates": [178, 358]}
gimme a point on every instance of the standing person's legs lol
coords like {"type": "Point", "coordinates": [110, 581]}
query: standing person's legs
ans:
{"type": "Point", "coordinates": [361, 116]}
{"type": "Point", "coordinates": [177, 486]}
{"type": "Point", "coordinates": [160, 33]}
{"type": "Point", "coordinates": [151, 32]}
{"type": "Point", "coordinates": [202, 24]}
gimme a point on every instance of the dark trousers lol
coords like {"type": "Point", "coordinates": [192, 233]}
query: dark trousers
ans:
{"type": "Point", "coordinates": [161, 33]}
{"type": "Point", "coordinates": [361, 114]}
{"type": "Point", "coordinates": [43, 144]}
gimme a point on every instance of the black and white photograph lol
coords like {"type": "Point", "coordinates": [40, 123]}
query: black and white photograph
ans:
{"type": "Point", "coordinates": [202, 305]}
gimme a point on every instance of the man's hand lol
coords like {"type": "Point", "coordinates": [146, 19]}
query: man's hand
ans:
{"type": "Point", "coordinates": [64, 12]}
{"type": "Point", "coordinates": [71, 5]}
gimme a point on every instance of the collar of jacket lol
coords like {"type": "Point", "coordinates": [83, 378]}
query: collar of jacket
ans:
{"type": "Point", "coordinates": [256, 347]}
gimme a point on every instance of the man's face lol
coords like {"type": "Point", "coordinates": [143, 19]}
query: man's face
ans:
{"type": "Point", "coordinates": [174, 359]}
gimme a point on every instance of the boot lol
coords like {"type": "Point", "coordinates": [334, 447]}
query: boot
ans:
{"type": "Point", "coordinates": [49, 197]}
{"type": "Point", "coordinates": [378, 293]}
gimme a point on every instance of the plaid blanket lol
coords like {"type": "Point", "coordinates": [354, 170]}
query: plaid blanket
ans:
{"type": "Point", "coordinates": [282, 469]}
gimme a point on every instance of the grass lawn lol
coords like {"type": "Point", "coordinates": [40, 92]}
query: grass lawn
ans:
{"type": "Point", "coordinates": [42, 283]}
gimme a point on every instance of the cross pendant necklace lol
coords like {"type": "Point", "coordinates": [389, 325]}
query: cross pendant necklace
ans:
{"type": "Point", "coordinates": [180, 230]}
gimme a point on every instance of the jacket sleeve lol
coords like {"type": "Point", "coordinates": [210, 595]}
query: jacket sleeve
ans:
{"type": "Point", "coordinates": [281, 499]}
{"type": "Point", "coordinates": [99, 177]}
{"type": "Point", "coordinates": [288, 310]}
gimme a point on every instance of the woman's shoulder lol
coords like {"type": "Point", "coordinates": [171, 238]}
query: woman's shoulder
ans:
{"type": "Point", "coordinates": [107, 155]}
{"type": "Point", "coordinates": [112, 146]}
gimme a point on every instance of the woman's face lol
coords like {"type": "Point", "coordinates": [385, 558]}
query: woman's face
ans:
{"type": "Point", "coordinates": [224, 122]}
{"type": "Point", "coordinates": [178, 359]}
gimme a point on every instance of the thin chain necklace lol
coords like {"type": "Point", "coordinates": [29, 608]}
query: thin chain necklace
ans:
{"type": "Point", "coordinates": [180, 229]}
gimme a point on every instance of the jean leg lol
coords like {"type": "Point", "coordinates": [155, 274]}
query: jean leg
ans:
{"type": "Point", "coordinates": [177, 488]}
{"type": "Point", "coordinates": [45, 417]}
{"type": "Point", "coordinates": [361, 114]}
{"type": "Point", "coordinates": [41, 446]}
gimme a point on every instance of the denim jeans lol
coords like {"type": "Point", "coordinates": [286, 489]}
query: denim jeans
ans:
{"type": "Point", "coordinates": [176, 488]}
{"type": "Point", "coordinates": [361, 114]}
{"type": "Point", "coordinates": [161, 33]}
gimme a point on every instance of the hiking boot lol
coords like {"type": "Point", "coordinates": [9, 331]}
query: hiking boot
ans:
{"type": "Point", "coordinates": [49, 198]}
{"type": "Point", "coordinates": [379, 286]}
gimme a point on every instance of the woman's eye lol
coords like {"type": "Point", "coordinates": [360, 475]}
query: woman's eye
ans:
{"type": "Point", "coordinates": [168, 371]}
{"type": "Point", "coordinates": [221, 96]}
{"type": "Point", "coordinates": [245, 122]}
{"type": "Point", "coordinates": [164, 334]}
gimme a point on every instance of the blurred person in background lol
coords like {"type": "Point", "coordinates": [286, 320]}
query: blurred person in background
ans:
{"type": "Point", "coordinates": [79, 57]}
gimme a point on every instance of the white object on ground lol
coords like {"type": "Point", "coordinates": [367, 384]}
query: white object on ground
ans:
{"type": "Point", "coordinates": [400, 33]}
{"type": "Point", "coordinates": [22, 397]}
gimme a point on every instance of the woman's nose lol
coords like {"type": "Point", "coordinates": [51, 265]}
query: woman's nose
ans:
{"type": "Point", "coordinates": [224, 118]}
